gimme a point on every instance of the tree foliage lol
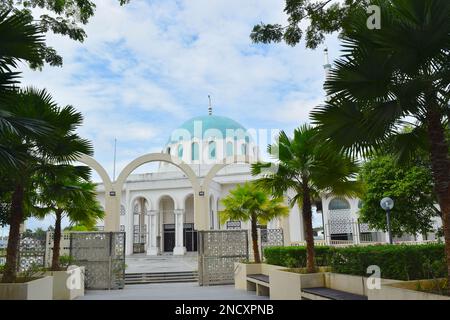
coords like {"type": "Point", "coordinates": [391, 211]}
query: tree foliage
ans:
{"type": "Point", "coordinates": [306, 167]}
{"type": "Point", "coordinates": [63, 17]}
{"type": "Point", "coordinates": [411, 188]}
{"type": "Point", "coordinates": [309, 19]}
{"type": "Point", "coordinates": [399, 73]}
{"type": "Point", "coordinates": [249, 203]}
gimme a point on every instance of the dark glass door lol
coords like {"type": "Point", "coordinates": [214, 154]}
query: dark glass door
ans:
{"type": "Point", "coordinates": [169, 237]}
{"type": "Point", "coordinates": [190, 237]}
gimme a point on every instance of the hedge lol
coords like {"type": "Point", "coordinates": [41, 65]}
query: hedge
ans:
{"type": "Point", "coordinates": [400, 262]}
{"type": "Point", "coordinates": [295, 257]}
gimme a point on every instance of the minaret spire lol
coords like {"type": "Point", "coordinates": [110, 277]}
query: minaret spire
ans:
{"type": "Point", "coordinates": [327, 65]}
{"type": "Point", "coordinates": [210, 106]}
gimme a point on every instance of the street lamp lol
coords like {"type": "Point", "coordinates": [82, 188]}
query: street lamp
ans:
{"type": "Point", "coordinates": [387, 204]}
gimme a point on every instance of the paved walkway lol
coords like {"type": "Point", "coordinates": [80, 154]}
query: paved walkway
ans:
{"type": "Point", "coordinates": [166, 263]}
{"type": "Point", "coordinates": [172, 291]}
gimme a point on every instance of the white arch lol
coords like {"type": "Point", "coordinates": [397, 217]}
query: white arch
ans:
{"type": "Point", "coordinates": [220, 165]}
{"type": "Point", "coordinates": [166, 195]}
{"type": "Point", "coordinates": [93, 164]}
{"type": "Point", "coordinates": [113, 189]}
{"type": "Point", "coordinates": [137, 196]}
{"type": "Point", "coordinates": [235, 159]}
{"type": "Point", "coordinates": [153, 157]}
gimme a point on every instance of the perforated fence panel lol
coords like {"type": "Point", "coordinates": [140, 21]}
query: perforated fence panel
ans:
{"type": "Point", "coordinates": [218, 250]}
{"type": "Point", "coordinates": [103, 256]}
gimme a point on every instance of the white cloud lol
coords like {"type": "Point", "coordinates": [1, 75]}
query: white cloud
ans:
{"type": "Point", "coordinates": [148, 66]}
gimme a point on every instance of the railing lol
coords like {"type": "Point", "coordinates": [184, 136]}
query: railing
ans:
{"type": "Point", "coordinates": [348, 243]}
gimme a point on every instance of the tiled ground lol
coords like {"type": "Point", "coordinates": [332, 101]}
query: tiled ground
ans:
{"type": "Point", "coordinates": [172, 291]}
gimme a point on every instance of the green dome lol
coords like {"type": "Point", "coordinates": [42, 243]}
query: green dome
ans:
{"type": "Point", "coordinates": [204, 127]}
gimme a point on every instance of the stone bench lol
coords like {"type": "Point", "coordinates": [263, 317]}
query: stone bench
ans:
{"type": "Point", "coordinates": [259, 283]}
{"type": "Point", "coordinates": [322, 293]}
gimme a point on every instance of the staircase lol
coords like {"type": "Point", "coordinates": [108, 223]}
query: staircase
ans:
{"type": "Point", "coordinates": [161, 277]}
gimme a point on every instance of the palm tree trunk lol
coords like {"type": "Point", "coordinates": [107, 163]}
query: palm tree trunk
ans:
{"type": "Point", "coordinates": [440, 166]}
{"type": "Point", "coordinates": [16, 218]}
{"type": "Point", "coordinates": [308, 230]}
{"type": "Point", "coordinates": [255, 239]}
{"type": "Point", "coordinates": [56, 241]}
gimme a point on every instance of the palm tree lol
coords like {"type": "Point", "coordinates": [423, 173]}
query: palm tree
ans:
{"type": "Point", "coordinates": [65, 191]}
{"type": "Point", "coordinates": [387, 77]}
{"type": "Point", "coordinates": [63, 146]}
{"type": "Point", "coordinates": [307, 168]}
{"type": "Point", "coordinates": [20, 41]}
{"type": "Point", "coordinates": [248, 203]}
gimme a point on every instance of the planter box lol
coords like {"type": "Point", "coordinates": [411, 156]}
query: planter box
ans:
{"type": "Point", "coordinates": [404, 290]}
{"type": "Point", "coordinates": [346, 283]}
{"type": "Point", "coordinates": [38, 289]}
{"type": "Point", "coordinates": [242, 270]}
{"type": "Point", "coordinates": [285, 285]}
{"type": "Point", "coordinates": [61, 289]}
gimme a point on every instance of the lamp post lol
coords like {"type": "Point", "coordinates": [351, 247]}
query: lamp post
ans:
{"type": "Point", "coordinates": [387, 204]}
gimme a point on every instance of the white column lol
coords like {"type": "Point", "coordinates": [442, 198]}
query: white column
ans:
{"type": "Point", "coordinates": [179, 249]}
{"type": "Point", "coordinates": [420, 237]}
{"type": "Point", "coordinates": [356, 232]}
{"type": "Point", "coordinates": [152, 248]}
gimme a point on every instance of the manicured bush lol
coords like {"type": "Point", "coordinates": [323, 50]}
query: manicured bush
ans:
{"type": "Point", "coordinates": [400, 262]}
{"type": "Point", "coordinates": [295, 257]}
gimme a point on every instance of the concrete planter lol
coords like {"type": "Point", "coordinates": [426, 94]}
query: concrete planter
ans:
{"type": "Point", "coordinates": [242, 270]}
{"type": "Point", "coordinates": [65, 288]}
{"type": "Point", "coordinates": [347, 283]}
{"type": "Point", "coordinates": [405, 290]}
{"type": "Point", "coordinates": [38, 289]}
{"type": "Point", "coordinates": [286, 285]}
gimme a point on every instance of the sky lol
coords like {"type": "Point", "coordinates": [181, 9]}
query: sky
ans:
{"type": "Point", "coordinates": [147, 67]}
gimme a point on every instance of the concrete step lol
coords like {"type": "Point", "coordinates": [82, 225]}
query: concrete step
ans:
{"type": "Point", "coordinates": [161, 277]}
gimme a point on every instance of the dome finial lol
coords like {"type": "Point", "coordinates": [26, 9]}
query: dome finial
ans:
{"type": "Point", "coordinates": [327, 65]}
{"type": "Point", "coordinates": [210, 106]}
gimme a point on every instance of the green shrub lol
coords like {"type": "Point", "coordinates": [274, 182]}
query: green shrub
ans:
{"type": "Point", "coordinates": [400, 262]}
{"type": "Point", "coordinates": [65, 261]}
{"type": "Point", "coordinates": [295, 257]}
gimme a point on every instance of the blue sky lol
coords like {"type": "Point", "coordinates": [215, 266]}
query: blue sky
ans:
{"type": "Point", "coordinates": [147, 67]}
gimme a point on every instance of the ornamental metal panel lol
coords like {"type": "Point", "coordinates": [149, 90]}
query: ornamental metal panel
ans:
{"type": "Point", "coordinates": [271, 238]}
{"type": "Point", "coordinates": [233, 225]}
{"type": "Point", "coordinates": [103, 256]}
{"type": "Point", "coordinates": [31, 252]}
{"type": "Point", "coordinates": [218, 250]}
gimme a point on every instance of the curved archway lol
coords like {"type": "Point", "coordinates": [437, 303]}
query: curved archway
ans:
{"type": "Point", "coordinates": [113, 189]}
{"type": "Point", "coordinates": [219, 166]}
{"type": "Point", "coordinates": [339, 204]}
{"type": "Point", "coordinates": [93, 164]}
{"type": "Point", "coordinates": [210, 176]}
{"type": "Point", "coordinates": [154, 157]}
{"type": "Point", "coordinates": [112, 201]}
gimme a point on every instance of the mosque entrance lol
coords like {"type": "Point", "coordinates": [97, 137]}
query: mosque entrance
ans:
{"type": "Point", "coordinates": [169, 237]}
{"type": "Point", "coordinates": [190, 237]}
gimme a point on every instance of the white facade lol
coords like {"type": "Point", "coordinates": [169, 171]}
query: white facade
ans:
{"type": "Point", "coordinates": [157, 209]}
